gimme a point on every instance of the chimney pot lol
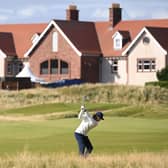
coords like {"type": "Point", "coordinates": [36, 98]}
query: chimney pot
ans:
{"type": "Point", "coordinates": [115, 5]}
{"type": "Point", "coordinates": [72, 7]}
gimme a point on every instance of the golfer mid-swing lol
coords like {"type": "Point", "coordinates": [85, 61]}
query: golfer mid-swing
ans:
{"type": "Point", "coordinates": [88, 122]}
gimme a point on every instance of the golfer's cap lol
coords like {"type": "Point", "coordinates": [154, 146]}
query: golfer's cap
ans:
{"type": "Point", "coordinates": [100, 115]}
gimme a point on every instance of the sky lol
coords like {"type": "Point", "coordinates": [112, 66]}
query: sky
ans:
{"type": "Point", "coordinates": [43, 11]}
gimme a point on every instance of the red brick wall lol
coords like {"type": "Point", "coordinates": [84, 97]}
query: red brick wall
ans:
{"type": "Point", "coordinates": [65, 52]}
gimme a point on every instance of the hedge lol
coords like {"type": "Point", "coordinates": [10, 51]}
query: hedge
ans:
{"type": "Point", "coordinates": [163, 84]}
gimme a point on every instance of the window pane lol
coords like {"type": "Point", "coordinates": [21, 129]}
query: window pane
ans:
{"type": "Point", "coordinates": [9, 68]}
{"type": "Point", "coordinates": [55, 42]}
{"type": "Point", "coordinates": [64, 67]}
{"type": "Point", "coordinates": [146, 67]}
{"type": "Point", "coordinates": [54, 66]}
{"type": "Point", "coordinates": [15, 68]}
{"type": "Point", "coordinates": [117, 42]}
{"type": "Point", "coordinates": [115, 62]}
{"type": "Point", "coordinates": [147, 62]}
{"type": "Point", "coordinates": [44, 67]}
{"type": "Point", "coordinates": [139, 66]}
{"type": "Point", "coordinates": [114, 66]}
{"type": "Point", "coordinates": [153, 65]}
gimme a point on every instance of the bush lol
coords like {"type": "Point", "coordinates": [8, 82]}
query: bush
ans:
{"type": "Point", "coordinates": [162, 75]}
{"type": "Point", "coordinates": [163, 84]}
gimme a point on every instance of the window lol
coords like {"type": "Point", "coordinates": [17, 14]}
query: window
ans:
{"type": "Point", "coordinates": [9, 68]}
{"type": "Point", "coordinates": [55, 42]}
{"type": "Point", "coordinates": [146, 65]}
{"type": "Point", "coordinates": [44, 67]}
{"type": "Point", "coordinates": [117, 43]}
{"type": "Point", "coordinates": [146, 40]}
{"type": "Point", "coordinates": [64, 67]}
{"type": "Point", "coordinates": [17, 67]}
{"type": "Point", "coordinates": [153, 66]}
{"type": "Point", "coordinates": [114, 66]}
{"type": "Point", "coordinates": [54, 66]}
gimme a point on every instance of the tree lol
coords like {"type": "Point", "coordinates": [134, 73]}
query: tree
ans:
{"type": "Point", "coordinates": [162, 75]}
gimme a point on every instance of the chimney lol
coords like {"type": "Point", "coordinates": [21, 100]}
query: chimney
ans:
{"type": "Point", "coordinates": [115, 13]}
{"type": "Point", "coordinates": [72, 13]}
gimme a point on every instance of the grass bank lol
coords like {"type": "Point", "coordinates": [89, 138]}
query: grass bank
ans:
{"type": "Point", "coordinates": [53, 111]}
{"type": "Point", "coordinates": [96, 93]}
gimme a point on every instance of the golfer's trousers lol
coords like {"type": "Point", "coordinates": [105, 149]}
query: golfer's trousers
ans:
{"type": "Point", "coordinates": [84, 144]}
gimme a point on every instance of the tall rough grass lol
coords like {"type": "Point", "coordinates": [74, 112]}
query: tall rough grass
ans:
{"type": "Point", "coordinates": [130, 160]}
{"type": "Point", "coordinates": [101, 93]}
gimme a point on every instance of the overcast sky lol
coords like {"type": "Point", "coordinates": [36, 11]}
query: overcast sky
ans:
{"type": "Point", "coordinates": [31, 11]}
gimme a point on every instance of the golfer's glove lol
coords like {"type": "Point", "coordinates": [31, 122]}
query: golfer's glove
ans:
{"type": "Point", "coordinates": [82, 107]}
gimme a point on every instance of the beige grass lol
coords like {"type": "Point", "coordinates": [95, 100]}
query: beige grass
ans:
{"type": "Point", "coordinates": [130, 160]}
{"type": "Point", "coordinates": [101, 93]}
{"type": "Point", "coordinates": [38, 117]}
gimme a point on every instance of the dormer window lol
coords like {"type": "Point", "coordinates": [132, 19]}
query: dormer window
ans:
{"type": "Point", "coordinates": [117, 41]}
{"type": "Point", "coordinates": [120, 38]}
{"type": "Point", "coordinates": [55, 42]}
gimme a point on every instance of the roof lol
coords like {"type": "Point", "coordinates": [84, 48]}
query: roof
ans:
{"type": "Point", "coordinates": [7, 43]}
{"type": "Point", "coordinates": [105, 33]}
{"type": "Point", "coordinates": [160, 34]}
{"type": "Point", "coordinates": [90, 38]}
{"type": "Point", "coordinates": [82, 34]}
{"type": "Point", "coordinates": [18, 37]}
{"type": "Point", "coordinates": [125, 34]}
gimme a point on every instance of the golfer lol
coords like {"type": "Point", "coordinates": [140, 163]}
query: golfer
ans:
{"type": "Point", "coordinates": [88, 122]}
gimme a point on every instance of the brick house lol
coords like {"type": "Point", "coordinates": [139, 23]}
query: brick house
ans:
{"type": "Point", "coordinates": [66, 50]}
{"type": "Point", "coordinates": [116, 51]}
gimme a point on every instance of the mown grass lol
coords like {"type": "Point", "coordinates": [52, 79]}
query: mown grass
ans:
{"type": "Point", "coordinates": [113, 135]}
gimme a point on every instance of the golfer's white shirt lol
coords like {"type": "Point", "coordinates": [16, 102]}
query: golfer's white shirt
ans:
{"type": "Point", "coordinates": [87, 122]}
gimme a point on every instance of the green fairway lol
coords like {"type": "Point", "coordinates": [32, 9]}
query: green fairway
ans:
{"type": "Point", "coordinates": [113, 135]}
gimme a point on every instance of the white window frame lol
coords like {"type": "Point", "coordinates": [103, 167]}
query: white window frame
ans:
{"type": "Point", "coordinates": [114, 66]}
{"type": "Point", "coordinates": [141, 63]}
{"type": "Point", "coordinates": [55, 42]}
